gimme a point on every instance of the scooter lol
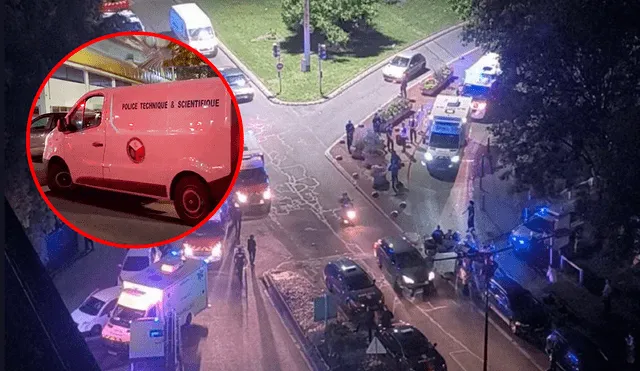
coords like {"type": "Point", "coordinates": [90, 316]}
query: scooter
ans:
{"type": "Point", "coordinates": [348, 214]}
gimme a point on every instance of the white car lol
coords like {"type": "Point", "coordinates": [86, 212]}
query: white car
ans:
{"type": "Point", "coordinates": [130, 22]}
{"type": "Point", "coordinates": [406, 63]}
{"type": "Point", "coordinates": [136, 261]}
{"type": "Point", "coordinates": [94, 312]}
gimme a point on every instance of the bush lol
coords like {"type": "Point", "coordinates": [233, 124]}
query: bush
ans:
{"type": "Point", "coordinates": [430, 83]}
{"type": "Point", "coordinates": [395, 107]}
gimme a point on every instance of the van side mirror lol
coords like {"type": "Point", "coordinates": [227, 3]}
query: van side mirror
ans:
{"type": "Point", "coordinates": [68, 126]}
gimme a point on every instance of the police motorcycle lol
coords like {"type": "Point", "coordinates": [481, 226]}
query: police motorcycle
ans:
{"type": "Point", "coordinates": [348, 213]}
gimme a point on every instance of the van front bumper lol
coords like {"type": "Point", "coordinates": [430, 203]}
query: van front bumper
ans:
{"type": "Point", "coordinates": [209, 52]}
{"type": "Point", "coordinates": [255, 208]}
{"type": "Point", "coordinates": [117, 347]}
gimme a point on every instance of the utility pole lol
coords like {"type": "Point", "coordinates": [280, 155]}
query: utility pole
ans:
{"type": "Point", "coordinates": [306, 62]}
{"type": "Point", "coordinates": [322, 55]}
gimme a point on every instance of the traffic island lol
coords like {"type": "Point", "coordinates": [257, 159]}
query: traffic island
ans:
{"type": "Point", "coordinates": [336, 346]}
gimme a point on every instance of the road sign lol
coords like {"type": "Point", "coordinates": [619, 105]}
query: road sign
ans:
{"type": "Point", "coordinates": [324, 308]}
{"type": "Point", "coordinates": [279, 66]}
{"type": "Point", "coordinates": [376, 347]}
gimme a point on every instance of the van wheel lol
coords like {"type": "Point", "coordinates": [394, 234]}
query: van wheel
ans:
{"type": "Point", "coordinates": [59, 178]}
{"type": "Point", "coordinates": [192, 200]}
{"type": "Point", "coordinates": [188, 320]}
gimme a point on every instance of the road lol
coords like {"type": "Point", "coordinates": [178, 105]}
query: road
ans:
{"type": "Point", "coordinates": [115, 217]}
{"type": "Point", "coordinates": [303, 227]}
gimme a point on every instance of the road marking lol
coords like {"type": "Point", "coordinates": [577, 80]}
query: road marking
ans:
{"type": "Point", "coordinates": [435, 308]}
{"type": "Point", "coordinates": [452, 355]}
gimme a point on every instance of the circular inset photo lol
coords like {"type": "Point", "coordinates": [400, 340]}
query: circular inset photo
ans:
{"type": "Point", "coordinates": [135, 140]}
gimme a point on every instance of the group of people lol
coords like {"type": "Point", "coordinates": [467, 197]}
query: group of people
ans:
{"type": "Point", "coordinates": [373, 320]}
{"type": "Point", "coordinates": [240, 258]}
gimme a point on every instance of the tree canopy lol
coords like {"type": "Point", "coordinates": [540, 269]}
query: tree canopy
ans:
{"type": "Point", "coordinates": [569, 96]}
{"type": "Point", "coordinates": [333, 18]}
{"type": "Point", "coordinates": [187, 64]}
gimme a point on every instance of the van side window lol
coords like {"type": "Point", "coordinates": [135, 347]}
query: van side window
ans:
{"type": "Point", "coordinates": [87, 115]}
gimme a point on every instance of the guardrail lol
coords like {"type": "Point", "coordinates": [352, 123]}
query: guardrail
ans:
{"type": "Point", "coordinates": [564, 260]}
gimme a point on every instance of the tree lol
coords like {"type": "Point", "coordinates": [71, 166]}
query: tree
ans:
{"type": "Point", "coordinates": [38, 34]}
{"type": "Point", "coordinates": [568, 96]}
{"type": "Point", "coordinates": [334, 19]}
{"type": "Point", "coordinates": [187, 64]}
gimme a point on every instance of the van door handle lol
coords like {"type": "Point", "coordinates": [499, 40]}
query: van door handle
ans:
{"type": "Point", "coordinates": [98, 144]}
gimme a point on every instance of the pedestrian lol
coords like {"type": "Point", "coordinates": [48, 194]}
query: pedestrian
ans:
{"type": "Point", "coordinates": [551, 274]}
{"type": "Point", "coordinates": [369, 320]}
{"type": "Point", "coordinates": [251, 247]}
{"type": "Point", "coordinates": [413, 127]}
{"type": "Point", "coordinates": [403, 85]}
{"type": "Point", "coordinates": [237, 222]}
{"type": "Point", "coordinates": [471, 215]}
{"type": "Point", "coordinates": [395, 158]}
{"type": "Point", "coordinates": [606, 297]}
{"type": "Point", "coordinates": [350, 129]}
{"type": "Point", "coordinates": [88, 245]}
{"type": "Point", "coordinates": [394, 168]}
{"type": "Point", "coordinates": [389, 132]}
{"type": "Point", "coordinates": [404, 137]}
{"type": "Point", "coordinates": [386, 318]}
{"type": "Point", "coordinates": [631, 349]}
{"type": "Point", "coordinates": [437, 235]}
{"type": "Point", "coordinates": [377, 122]}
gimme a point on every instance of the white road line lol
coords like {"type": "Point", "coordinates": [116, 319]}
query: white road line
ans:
{"type": "Point", "coordinates": [451, 354]}
{"type": "Point", "coordinates": [435, 308]}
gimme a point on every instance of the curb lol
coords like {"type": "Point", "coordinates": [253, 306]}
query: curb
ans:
{"type": "Point", "coordinates": [340, 89]}
{"type": "Point", "coordinates": [310, 351]}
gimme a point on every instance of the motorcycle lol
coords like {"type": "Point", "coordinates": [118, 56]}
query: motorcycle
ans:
{"type": "Point", "coordinates": [348, 214]}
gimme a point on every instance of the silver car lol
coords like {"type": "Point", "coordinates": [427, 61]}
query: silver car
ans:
{"type": "Point", "coordinates": [40, 127]}
{"type": "Point", "coordinates": [409, 63]}
{"type": "Point", "coordinates": [239, 83]}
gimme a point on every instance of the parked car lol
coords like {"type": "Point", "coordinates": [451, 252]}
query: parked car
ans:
{"type": "Point", "coordinates": [410, 349]}
{"type": "Point", "coordinates": [352, 285]}
{"type": "Point", "coordinates": [127, 21]}
{"type": "Point", "coordinates": [239, 83]}
{"type": "Point", "coordinates": [404, 266]}
{"type": "Point", "coordinates": [41, 126]}
{"type": "Point", "coordinates": [136, 261]}
{"type": "Point", "coordinates": [409, 63]}
{"type": "Point", "coordinates": [516, 306]}
{"type": "Point", "coordinates": [94, 312]}
{"type": "Point", "coordinates": [575, 351]}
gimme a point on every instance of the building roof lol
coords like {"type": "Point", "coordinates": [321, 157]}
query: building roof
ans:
{"type": "Point", "coordinates": [155, 277]}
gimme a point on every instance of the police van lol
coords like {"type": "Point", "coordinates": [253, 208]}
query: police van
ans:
{"type": "Point", "coordinates": [252, 193]}
{"type": "Point", "coordinates": [479, 81]}
{"type": "Point", "coordinates": [191, 25]}
{"type": "Point", "coordinates": [447, 134]}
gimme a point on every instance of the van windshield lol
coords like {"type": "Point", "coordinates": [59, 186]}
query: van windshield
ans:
{"type": "Point", "coordinates": [135, 263]}
{"type": "Point", "coordinates": [91, 306]}
{"type": "Point", "coordinates": [202, 33]}
{"type": "Point", "coordinates": [444, 141]}
{"type": "Point", "coordinates": [251, 177]}
{"type": "Point", "coordinates": [123, 316]}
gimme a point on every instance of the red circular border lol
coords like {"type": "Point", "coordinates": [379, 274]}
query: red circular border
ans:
{"type": "Point", "coordinates": [235, 106]}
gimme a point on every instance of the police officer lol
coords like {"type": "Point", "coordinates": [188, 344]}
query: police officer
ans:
{"type": "Point", "coordinates": [386, 318]}
{"type": "Point", "coordinates": [251, 247]}
{"type": "Point", "coordinates": [413, 126]}
{"type": "Point", "coordinates": [403, 85]}
{"type": "Point", "coordinates": [389, 133]}
{"type": "Point", "coordinates": [394, 168]}
{"type": "Point", "coordinates": [350, 129]}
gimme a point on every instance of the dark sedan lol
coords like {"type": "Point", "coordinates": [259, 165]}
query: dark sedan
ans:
{"type": "Point", "coordinates": [352, 285]}
{"type": "Point", "coordinates": [239, 83]}
{"type": "Point", "coordinates": [410, 349]}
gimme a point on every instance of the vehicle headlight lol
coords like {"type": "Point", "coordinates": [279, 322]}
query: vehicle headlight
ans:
{"type": "Point", "coordinates": [216, 250]}
{"type": "Point", "coordinates": [266, 194]}
{"type": "Point", "coordinates": [432, 276]}
{"type": "Point", "coordinates": [455, 159]}
{"type": "Point", "coordinates": [351, 214]}
{"type": "Point", "coordinates": [408, 280]}
{"type": "Point", "coordinates": [188, 249]}
{"type": "Point", "coordinates": [428, 156]}
{"type": "Point", "coordinates": [241, 197]}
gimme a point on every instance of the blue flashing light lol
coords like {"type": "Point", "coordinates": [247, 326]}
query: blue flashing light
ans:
{"type": "Point", "coordinates": [155, 333]}
{"type": "Point", "coordinates": [521, 242]}
{"type": "Point", "coordinates": [573, 358]}
{"type": "Point", "coordinates": [174, 253]}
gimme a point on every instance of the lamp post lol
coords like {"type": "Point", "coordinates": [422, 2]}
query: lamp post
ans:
{"type": "Point", "coordinates": [306, 65]}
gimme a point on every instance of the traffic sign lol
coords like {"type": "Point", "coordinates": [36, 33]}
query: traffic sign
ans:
{"type": "Point", "coordinates": [279, 66]}
{"type": "Point", "coordinates": [376, 347]}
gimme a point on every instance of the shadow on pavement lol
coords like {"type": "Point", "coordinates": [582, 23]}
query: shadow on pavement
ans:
{"type": "Point", "coordinates": [267, 341]}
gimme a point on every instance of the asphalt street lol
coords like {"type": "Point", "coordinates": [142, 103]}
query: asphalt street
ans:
{"type": "Point", "coordinates": [116, 217]}
{"type": "Point", "coordinates": [304, 228]}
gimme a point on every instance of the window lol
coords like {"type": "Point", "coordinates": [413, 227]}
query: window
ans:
{"type": "Point", "coordinates": [99, 80]}
{"type": "Point", "coordinates": [359, 282]}
{"type": "Point", "coordinates": [109, 307]}
{"type": "Point", "coordinates": [201, 34]}
{"type": "Point", "coordinates": [152, 312]}
{"type": "Point", "coordinates": [88, 115]}
{"type": "Point", "coordinates": [39, 125]}
{"type": "Point", "coordinates": [122, 83]}
{"type": "Point", "coordinates": [91, 306]}
{"type": "Point", "coordinates": [135, 263]}
{"type": "Point", "coordinates": [58, 109]}
{"type": "Point", "coordinates": [400, 62]}
{"type": "Point", "coordinates": [69, 74]}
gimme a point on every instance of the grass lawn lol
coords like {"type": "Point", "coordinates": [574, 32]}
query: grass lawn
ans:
{"type": "Point", "coordinates": [247, 27]}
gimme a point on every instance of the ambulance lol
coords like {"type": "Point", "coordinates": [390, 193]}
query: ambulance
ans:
{"type": "Point", "coordinates": [252, 193]}
{"type": "Point", "coordinates": [166, 141]}
{"type": "Point", "coordinates": [479, 81]}
{"type": "Point", "coordinates": [172, 285]}
{"type": "Point", "coordinates": [447, 133]}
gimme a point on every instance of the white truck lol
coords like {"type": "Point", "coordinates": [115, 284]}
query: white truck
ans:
{"type": "Point", "coordinates": [155, 345]}
{"type": "Point", "coordinates": [447, 132]}
{"type": "Point", "coordinates": [479, 80]}
{"type": "Point", "coordinates": [173, 284]}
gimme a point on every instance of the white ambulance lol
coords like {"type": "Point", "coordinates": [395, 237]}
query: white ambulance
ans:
{"type": "Point", "coordinates": [447, 132]}
{"type": "Point", "coordinates": [172, 284]}
{"type": "Point", "coordinates": [479, 81]}
{"type": "Point", "coordinates": [167, 141]}
{"type": "Point", "coordinates": [191, 25]}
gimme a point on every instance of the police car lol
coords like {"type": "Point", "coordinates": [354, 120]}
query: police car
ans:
{"type": "Point", "coordinates": [479, 81]}
{"type": "Point", "coordinates": [127, 21]}
{"type": "Point", "coordinates": [252, 193]}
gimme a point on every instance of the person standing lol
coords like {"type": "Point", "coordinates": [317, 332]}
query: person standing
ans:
{"type": "Point", "coordinates": [395, 159]}
{"type": "Point", "coordinates": [404, 137]}
{"type": "Point", "coordinates": [394, 168]}
{"type": "Point", "coordinates": [377, 122]}
{"type": "Point", "coordinates": [350, 129]}
{"type": "Point", "coordinates": [237, 221]}
{"type": "Point", "coordinates": [369, 320]}
{"type": "Point", "coordinates": [413, 127]}
{"type": "Point", "coordinates": [606, 297]}
{"type": "Point", "coordinates": [631, 349]}
{"type": "Point", "coordinates": [403, 85]}
{"type": "Point", "coordinates": [386, 317]}
{"type": "Point", "coordinates": [471, 215]}
{"type": "Point", "coordinates": [389, 133]}
{"type": "Point", "coordinates": [251, 247]}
